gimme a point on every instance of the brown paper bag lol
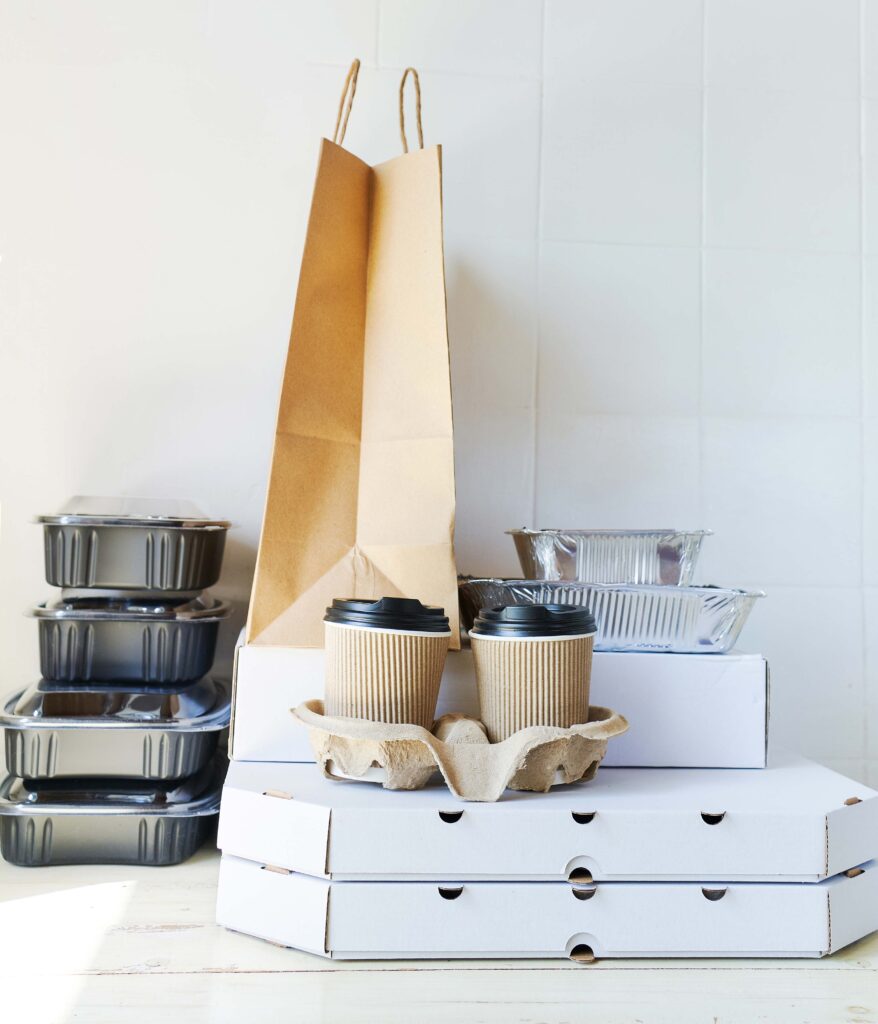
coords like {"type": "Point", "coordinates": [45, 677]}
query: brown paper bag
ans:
{"type": "Point", "coordinates": [361, 494]}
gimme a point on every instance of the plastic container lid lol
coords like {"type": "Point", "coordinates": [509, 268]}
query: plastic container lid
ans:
{"type": "Point", "coordinates": [85, 795]}
{"type": "Point", "coordinates": [84, 510]}
{"type": "Point", "coordinates": [133, 609]}
{"type": "Point", "coordinates": [199, 705]}
{"type": "Point", "coordinates": [388, 613]}
{"type": "Point", "coordinates": [534, 620]}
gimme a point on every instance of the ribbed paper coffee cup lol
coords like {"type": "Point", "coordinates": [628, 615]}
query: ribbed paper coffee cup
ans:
{"type": "Point", "coordinates": [533, 667]}
{"type": "Point", "coordinates": [384, 660]}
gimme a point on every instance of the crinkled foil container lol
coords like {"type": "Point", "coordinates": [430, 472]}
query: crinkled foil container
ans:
{"type": "Point", "coordinates": [681, 620]}
{"type": "Point", "coordinates": [666, 557]}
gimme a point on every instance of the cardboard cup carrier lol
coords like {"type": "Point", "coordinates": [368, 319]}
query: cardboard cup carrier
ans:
{"type": "Point", "coordinates": [533, 666]}
{"type": "Point", "coordinates": [384, 659]}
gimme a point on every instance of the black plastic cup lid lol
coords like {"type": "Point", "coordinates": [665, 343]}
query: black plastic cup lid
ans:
{"type": "Point", "coordinates": [388, 613]}
{"type": "Point", "coordinates": [534, 620]}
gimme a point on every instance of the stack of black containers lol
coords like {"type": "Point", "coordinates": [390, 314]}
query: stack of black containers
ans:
{"type": "Point", "coordinates": [111, 756]}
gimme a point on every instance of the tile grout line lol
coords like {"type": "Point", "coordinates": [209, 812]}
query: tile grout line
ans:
{"type": "Point", "coordinates": [864, 664]}
{"type": "Point", "coordinates": [702, 494]}
{"type": "Point", "coordinates": [687, 246]}
{"type": "Point", "coordinates": [534, 477]}
{"type": "Point", "coordinates": [488, 76]}
{"type": "Point", "coordinates": [378, 7]}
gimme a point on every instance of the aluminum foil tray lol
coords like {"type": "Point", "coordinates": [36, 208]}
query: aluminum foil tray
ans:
{"type": "Point", "coordinates": [682, 620]}
{"type": "Point", "coordinates": [56, 733]}
{"type": "Point", "coordinates": [132, 544]}
{"type": "Point", "coordinates": [106, 821]}
{"type": "Point", "coordinates": [609, 556]}
{"type": "Point", "coordinates": [99, 639]}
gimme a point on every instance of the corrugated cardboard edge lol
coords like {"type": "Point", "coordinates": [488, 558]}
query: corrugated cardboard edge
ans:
{"type": "Point", "coordinates": [271, 826]}
{"type": "Point", "coordinates": [828, 948]}
{"type": "Point", "coordinates": [853, 901]}
{"type": "Point", "coordinates": [326, 948]}
{"type": "Point", "coordinates": [767, 708]}
{"type": "Point", "coordinates": [852, 832]}
{"type": "Point", "coordinates": [294, 910]}
{"type": "Point", "coordinates": [238, 647]}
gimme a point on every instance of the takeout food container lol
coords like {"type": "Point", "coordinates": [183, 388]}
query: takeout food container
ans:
{"type": "Point", "coordinates": [101, 639]}
{"type": "Point", "coordinates": [384, 659]}
{"type": "Point", "coordinates": [107, 821]}
{"type": "Point", "coordinates": [132, 544]}
{"type": "Point", "coordinates": [682, 620]}
{"type": "Point", "coordinates": [533, 666]}
{"type": "Point", "coordinates": [609, 556]}
{"type": "Point", "coordinates": [55, 732]}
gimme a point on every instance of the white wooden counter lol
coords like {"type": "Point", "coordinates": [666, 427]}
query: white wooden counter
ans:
{"type": "Point", "coordinates": [115, 944]}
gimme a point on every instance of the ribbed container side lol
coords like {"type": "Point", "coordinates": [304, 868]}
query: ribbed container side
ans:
{"type": "Point", "coordinates": [31, 753]}
{"type": "Point", "coordinates": [659, 620]}
{"type": "Point", "coordinates": [630, 558]}
{"type": "Point", "coordinates": [152, 840]}
{"type": "Point", "coordinates": [182, 559]}
{"type": "Point", "coordinates": [164, 841]}
{"type": "Point", "coordinates": [383, 677]}
{"type": "Point", "coordinates": [133, 558]}
{"type": "Point", "coordinates": [177, 652]}
{"type": "Point", "coordinates": [684, 620]}
{"type": "Point", "coordinates": [26, 841]}
{"type": "Point", "coordinates": [531, 682]}
{"type": "Point", "coordinates": [113, 651]}
{"type": "Point", "coordinates": [176, 755]}
{"type": "Point", "coordinates": [71, 556]}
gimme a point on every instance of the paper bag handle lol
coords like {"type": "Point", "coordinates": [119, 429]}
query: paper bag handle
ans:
{"type": "Point", "coordinates": [346, 102]}
{"type": "Point", "coordinates": [417, 81]}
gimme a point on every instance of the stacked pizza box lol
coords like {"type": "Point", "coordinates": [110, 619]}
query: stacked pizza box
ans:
{"type": "Point", "coordinates": [689, 841]}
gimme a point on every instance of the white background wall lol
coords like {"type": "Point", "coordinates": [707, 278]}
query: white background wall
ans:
{"type": "Point", "coordinates": [662, 258]}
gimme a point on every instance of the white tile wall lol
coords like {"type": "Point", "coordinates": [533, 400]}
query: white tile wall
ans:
{"type": "Point", "coordinates": [781, 333]}
{"type": "Point", "coordinates": [485, 37]}
{"type": "Point", "coordinates": [870, 347]}
{"type": "Point", "coordinates": [612, 41]}
{"type": "Point", "coordinates": [615, 470]}
{"type": "Point", "coordinates": [805, 46]}
{"type": "Point", "coordinates": [784, 497]}
{"type": "Point", "coordinates": [619, 329]}
{"type": "Point", "coordinates": [782, 170]}
{"type": "Point", "coordinates": [870, 48]}
{"type": "Point", "coordinates": [621, 163]}
{"type": "Point", "coordinates": [870, 175]}
{"type": "Point", "coordinates": [662, 259]}
{"type": "Point", "coordinates": [870, 619]}
{"type": "Point", "coordinates": [817, 688]}
{"type": "Point", "coordinates": [870, 504]}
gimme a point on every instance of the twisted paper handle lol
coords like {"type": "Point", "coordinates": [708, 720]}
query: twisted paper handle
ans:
{"type": "Point", "coordinates": [346, 102]}
{"type": "Point", "coordinates": [417, 81]}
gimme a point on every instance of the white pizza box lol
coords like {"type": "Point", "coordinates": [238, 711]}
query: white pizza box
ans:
{"type": "Point", "coordinates": [794, 820]}
{"type": "Point", "coordinates": [684, 710]}
{"type": "Point", "coordinates": [415, 920]}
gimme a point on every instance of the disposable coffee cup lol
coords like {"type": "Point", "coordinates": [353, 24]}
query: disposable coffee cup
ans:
{"type": "Point", "coordinates": [384, 659]}
{"type": "Point", "coordinates": [533, 666]}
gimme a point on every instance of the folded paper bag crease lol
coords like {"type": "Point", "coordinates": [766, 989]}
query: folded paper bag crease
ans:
{"type": "Point", "coordinates": [473, 768]}
{"type": "Point", "coordinates": [361, 491]}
